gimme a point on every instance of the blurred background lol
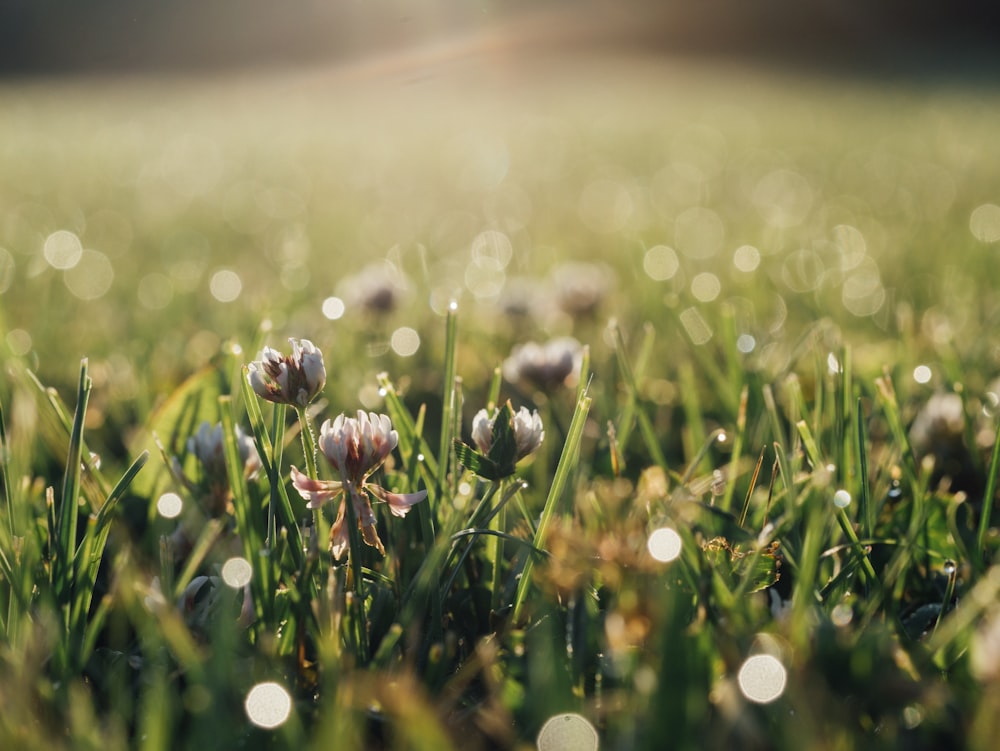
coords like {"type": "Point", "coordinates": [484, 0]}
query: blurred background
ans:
{"type": "Point", "coordinates": [65, 36]}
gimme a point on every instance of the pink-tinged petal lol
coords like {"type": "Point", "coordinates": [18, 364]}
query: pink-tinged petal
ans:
{"type": "Point", "coordinates": [316, 492]}
{"type": "Point", "coordinates": [340, 541]}
{"type": "Point", "coordinates": [399, 503]}
{"type": "Point", "coordinates": [371, 537]}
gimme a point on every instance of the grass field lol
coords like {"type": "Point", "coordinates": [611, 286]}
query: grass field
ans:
{"type": "Point", "coordinates": [760, 516]}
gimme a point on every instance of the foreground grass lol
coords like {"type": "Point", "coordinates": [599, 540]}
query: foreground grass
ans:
{"type": "Point", "coordinates": [757, 402]}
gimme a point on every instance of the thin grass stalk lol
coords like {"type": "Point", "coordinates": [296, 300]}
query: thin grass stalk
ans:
{"type": "Point", "coordinates": [867, 508]}
{"type": "Point", "coordinates": [270, 457]}
{"type": "Point", "coordinates": [989, 494]}
{"type": "Point", "coordinates": [251, 525]}
{"type": "Point", "coordinates": [4, 483]}
{"type": "Point", "coordinates": [448, 405]}
{"type": "Point", "coordinates": [702, 453]}
{"type": "Point", "coordinates": [737, 452]}
{"type": "Point", "coordinates": [753, 485]}
{"type": "Point", "coordinates": [68, 513]}
{"type": "Point", "coordinates": [567, 462]}
{"type": "Point", "coordinates": [626, 420]}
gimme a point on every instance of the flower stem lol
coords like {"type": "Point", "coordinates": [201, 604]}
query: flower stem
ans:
{"type": "Point", "coordinates": [309, 454]}
{"type": "Point", "coordinates": [358, 618]}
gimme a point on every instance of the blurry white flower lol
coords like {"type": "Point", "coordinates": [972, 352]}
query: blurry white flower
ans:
{"type": "Point", "coordinates": [293, 379]}
{"type": "Point", "coordinates": [545, 365]}
{"type": "Point", "coordinates": [355, 447]}
{"type": "Point", "coordinates": [581, 287]}
{"type": "Point", "coordinates": [207, 446]}
{"type": "Point", "coordinates": [376, 289]}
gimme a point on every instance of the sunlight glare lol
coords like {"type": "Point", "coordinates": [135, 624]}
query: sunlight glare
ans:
{"type": "Point", "coordinates": [237, 572]}
{"type": "Point", "coordinates": [169, 505]}
{"type": "Point", "coordinates": [660, 263]}
{"type": "Point", "coordinates": [90, 278]}
{"type": "Point", "coordinates": [225, 285]}
{"type": "Point", "coordinates": [333, 308]}
{"type": "Point", "coordinates": [62, 249]}
{"type": "Point", "coordinates": [762, 678]}
{"type": "Point", "coordinates": [985, 223]}
{"type": "Point", "coordinates": [405, 341]}
{"type": "Point", "coordinates": [268, 705]}
{"type": "Point", "coordinates": [664, 544]}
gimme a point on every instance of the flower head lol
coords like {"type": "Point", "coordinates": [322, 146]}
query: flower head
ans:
{"type": "Point", "coordinates": [547, 366]}
{"type": "Point", "coordinates": [527, 428]}
{"type": "Point", "coordinates": [501, 440]}
{"type": "Point", "coordinates": [207, 446]}
{"type": "Point", "coordinates": [355, 447]}
{"type": "Point", "coordinates": [293, 379]}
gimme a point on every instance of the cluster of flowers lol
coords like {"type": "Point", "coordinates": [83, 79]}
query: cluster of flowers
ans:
{"type": "Point", "coordinates": [354, 446]}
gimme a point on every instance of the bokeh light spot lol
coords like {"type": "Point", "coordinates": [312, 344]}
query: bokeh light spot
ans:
{"type": "Point", "coordinates": [985, 223]}
{"type": "Point", "coordinates": [19, 342]}
{"type": "Point", "coordinates": [91, 277]}
{"type": "Point", "coordinates": [664, 544]}
{"type": "Point", "coordinates": [706, 286]}
{"type": "Point", "coordinates": [169, 505]}
{"type": "Point", "coordinates": [225, 285]}
{"type": "Point", "coordinates": [922, 374]}
{"type": "Point", "coordinates": [762, 678]}
{"type": "Point", "coordinates": [268, 705]}
{"type": "Point", "coordinates": [333, 308]}
{"type": "Point", "coordinates": [660, 263]}
{"type": "Point", "coordinates": [567, 732]}
{"type": "Point", "coordinates": [404, 341]}
{"type": "Point", "coordinates": [745, 343]}
{"type": "Point", "coordinates": [62, 249]}
{"type": "Point", "coordinates": [493, 245]}
{"type": "Point", "coordinates": [696, 326]}
{"type": "Point", "coordinates": [746, 258]}
{"type": "Point", "coordinates": [236, 572]}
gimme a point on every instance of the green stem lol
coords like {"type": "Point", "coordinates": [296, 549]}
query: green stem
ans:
{"type": "Point", "coordinates": [356, 547]}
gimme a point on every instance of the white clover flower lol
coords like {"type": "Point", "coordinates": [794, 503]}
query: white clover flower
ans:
{"type": "Point", "coordinates": [546, 365]}
{"type": "Point", "coordinates": [207, 446]}
{"type": "Point", "coordinates": [528, 433]}
{"type": "Point", "coordinates": [293, 379]}
{"type": "Point", "coordinates": [355, 447]}
{"type": "Point", "coordinates": [581, 287]}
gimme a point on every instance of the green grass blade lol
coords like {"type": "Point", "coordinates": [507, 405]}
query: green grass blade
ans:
{"type": "Point", "coordinates": [567, 462]}
{"type": "Point", "coordinates": [981, 559]}
{"type": "Point", "coordinates": [68, 512]}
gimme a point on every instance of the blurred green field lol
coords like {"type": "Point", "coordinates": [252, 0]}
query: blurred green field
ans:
{"type": "Point", "coordinates": [761, 262]}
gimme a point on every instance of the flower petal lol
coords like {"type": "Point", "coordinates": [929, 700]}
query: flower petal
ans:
{"type": "Point", "coordinates": [399, 503]}
{"type": "Point", "coordinates": [316, 492]}
{"type": "Point", "coordinates": [340, 541]}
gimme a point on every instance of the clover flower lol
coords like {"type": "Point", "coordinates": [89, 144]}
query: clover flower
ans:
{"type": "Point", "coordinates": [545, 365]}
{"type": "Point", "coordinates": [501, 441]}
{"type": "Point", "coordinates": [581, 287]}
{"type": "Point", "coordinates": [527, 427]}
{"type": "Point", "coordinates": [207, 447]}
{"type": "Point", "coordinates": [293, 379]}
{"type": "Point", "coordinates": [355, 448]}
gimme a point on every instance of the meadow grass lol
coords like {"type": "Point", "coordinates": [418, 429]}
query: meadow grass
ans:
{"type": "Point", "coordinates": [769, 277]}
